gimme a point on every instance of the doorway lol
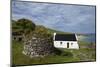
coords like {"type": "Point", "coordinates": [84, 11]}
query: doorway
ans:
{"type": "Point", "coordinates": [68, 45]}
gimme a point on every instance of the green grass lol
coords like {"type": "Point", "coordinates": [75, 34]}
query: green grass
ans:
{"type": "Point", "coordinates": [67, 55]}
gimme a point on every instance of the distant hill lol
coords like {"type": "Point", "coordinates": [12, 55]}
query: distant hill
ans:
{"type": "Point", "coordinates": [51, 31]}
{"type": "Point", "coordinates": [39, 27]}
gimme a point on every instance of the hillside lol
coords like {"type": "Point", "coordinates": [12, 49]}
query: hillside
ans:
{"type": "Point", "coordinates": [42, 33]}
{"type": "Point", "coordinates": [51, 31]}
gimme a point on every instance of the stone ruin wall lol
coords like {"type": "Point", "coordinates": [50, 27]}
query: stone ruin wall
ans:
{"type": "Point", "coordinates": [38, 47]}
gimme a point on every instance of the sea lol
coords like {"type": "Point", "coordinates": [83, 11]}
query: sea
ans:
{"type": "Point", "coordinates": [87, 38]}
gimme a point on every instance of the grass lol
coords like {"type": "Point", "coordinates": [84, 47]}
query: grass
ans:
{"type": "Point", "coordinates": [67, 55]}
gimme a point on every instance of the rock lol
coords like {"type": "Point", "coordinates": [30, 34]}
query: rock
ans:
{"type": "Point", "coordinates": [38, 47]}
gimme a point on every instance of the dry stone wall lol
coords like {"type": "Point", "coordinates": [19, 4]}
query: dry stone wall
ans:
{"type": "Point", "coordinates": [38, 47]}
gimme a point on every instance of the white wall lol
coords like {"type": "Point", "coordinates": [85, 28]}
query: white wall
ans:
{"type": "Point", "coordinates": [75, 45]}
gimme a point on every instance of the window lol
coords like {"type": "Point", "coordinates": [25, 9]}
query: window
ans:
{"type": "Point", "coordinates": [71, 43]}
{"type": "Point", "coordinates": [60, 42]}
{"type": "Point", "coordinates": [14, 38]}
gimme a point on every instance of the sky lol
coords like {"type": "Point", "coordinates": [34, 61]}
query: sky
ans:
{"type": "Point", "coordinates": [61, 17]}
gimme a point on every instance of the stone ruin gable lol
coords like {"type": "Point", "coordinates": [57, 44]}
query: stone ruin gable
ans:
{"type": "Point", "coordinates": [38, 47]}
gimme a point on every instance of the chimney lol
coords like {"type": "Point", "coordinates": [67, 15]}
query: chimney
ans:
{"type": "Point", "coordinates": [54, 36]}
{"type": "Point", "coordinates": [76, 37]}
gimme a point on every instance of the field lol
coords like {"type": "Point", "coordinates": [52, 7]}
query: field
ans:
{"type": "Point", "coordinates": [83, 54]}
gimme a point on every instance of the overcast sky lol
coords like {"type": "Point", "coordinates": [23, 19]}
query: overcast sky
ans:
{"type": "Point", "coordinates": [67, 18]}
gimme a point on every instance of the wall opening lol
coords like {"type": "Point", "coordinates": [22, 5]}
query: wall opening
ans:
{"type": "Point", "coordinates": [60, 42]}
{"type": "Point", "coordinates": [71, 43]}
{"type": "Point", "coordinates": [68, 45]}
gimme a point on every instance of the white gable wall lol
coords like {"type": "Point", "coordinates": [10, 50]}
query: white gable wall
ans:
{"type": "Point", "coordinates": [72, 44]}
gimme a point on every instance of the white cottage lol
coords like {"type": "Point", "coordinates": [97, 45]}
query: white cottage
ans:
{"type": "Point", "coordinates": [68, 41]}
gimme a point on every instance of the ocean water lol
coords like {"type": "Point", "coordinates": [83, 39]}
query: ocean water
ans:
{"type": "Point", "coordinates": [87, 38]}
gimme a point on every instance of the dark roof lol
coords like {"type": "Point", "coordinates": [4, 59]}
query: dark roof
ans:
{"type": "Point", "coordinates": [65, 37]}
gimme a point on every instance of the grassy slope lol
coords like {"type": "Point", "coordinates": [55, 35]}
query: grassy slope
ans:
{"type": "Point", "coordinates": [20, 59]}
{"type": "Point", "coordinates": [51, 31]}
{"type": "Point", "coordinates": [66, 56]}
{"type": "Point", "coordinates": [54, 31]}
{"type": "Point", "coordinates": [83, 54]}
